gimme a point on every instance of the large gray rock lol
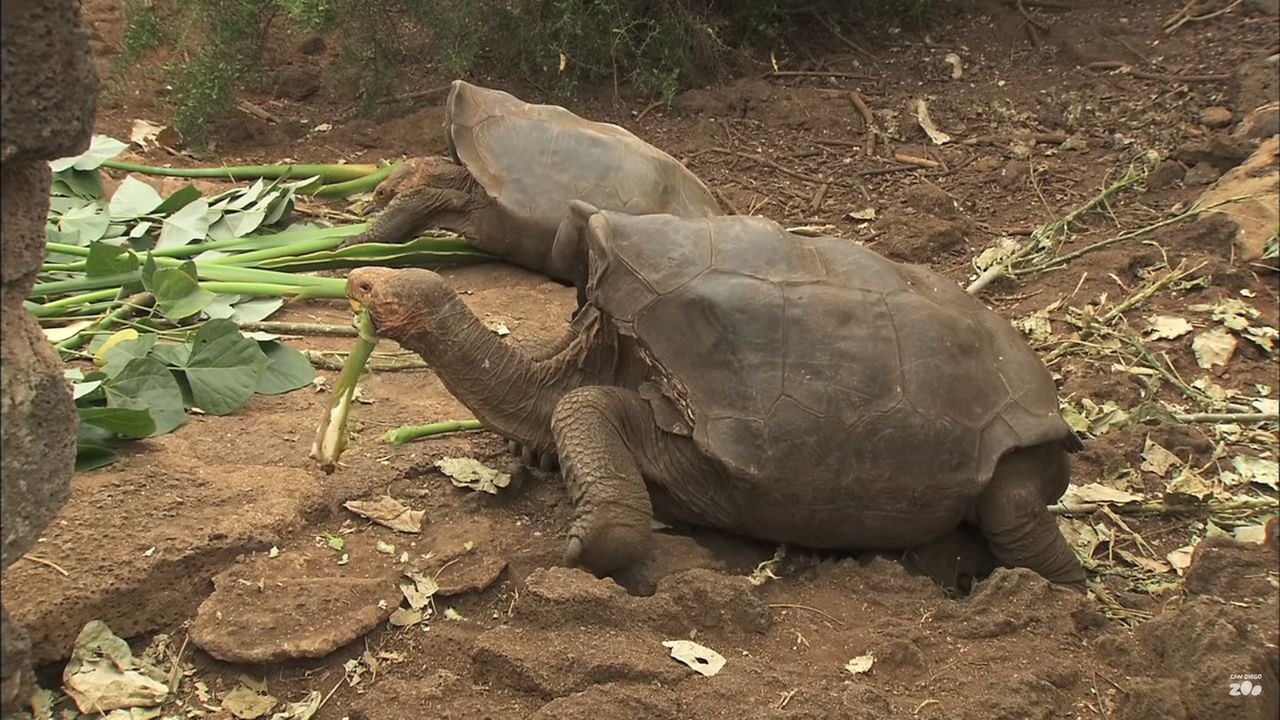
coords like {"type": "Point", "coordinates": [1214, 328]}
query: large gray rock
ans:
{"type": "Point", "coordinates": [48, 101]}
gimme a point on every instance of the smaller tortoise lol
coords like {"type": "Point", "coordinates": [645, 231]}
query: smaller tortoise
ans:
{"type": "Point", "coordinates": [512, 169]}
{"type": "Point", "coordinates": [723, 372]}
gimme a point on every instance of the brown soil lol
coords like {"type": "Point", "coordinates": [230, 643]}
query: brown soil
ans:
{"type": "Point", "coordinates": [141, 541]}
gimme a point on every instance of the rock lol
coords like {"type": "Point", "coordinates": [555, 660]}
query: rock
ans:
{"type": "Point", "coordinates": [1221, 152]}
{"type": "Point", "coordinates": [273, 609]}
{"type": "Point", "coordinates": [1231, 570]}
{"type": "Point", "coordinates": [555, 663]}
{"type": "Point", "coordinates": [612, 702]}
{"type": "Point", "coordinates": [1215, 117]}
{"type": "Point", "coordinates": [1257, 217]}
{"type": "Point", "coordinates": [1203, 173]}
{"type": "Point", "coordinates": [1167, 173]}
{"type": "Point", "coordinates": [47, 103]}
{"type": "Point", "coordinates": [1260, 124]}
{"type": "Point", "coordinates": [708, 600]}
{"type": "Point", "coordinates": [1255, 83]}
{"type": "Point", "coordinates": [929, 199]}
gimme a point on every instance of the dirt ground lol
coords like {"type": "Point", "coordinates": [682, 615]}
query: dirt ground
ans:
{"type": "Point", "coordinates": [1037, 131]}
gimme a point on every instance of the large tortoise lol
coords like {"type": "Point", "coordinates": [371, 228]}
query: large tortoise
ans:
{"type": "Point", "coordinates": [723, 372]}
{"type": "Point", "coordinates": [512, 169]}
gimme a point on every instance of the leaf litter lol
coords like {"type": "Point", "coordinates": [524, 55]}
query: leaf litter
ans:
{"type": "Point", "coordinates": [702, 659]}
{"type": "Point", "coordinates": [388, 512]}
{"type": "Point", "coordinates": [472, 474]}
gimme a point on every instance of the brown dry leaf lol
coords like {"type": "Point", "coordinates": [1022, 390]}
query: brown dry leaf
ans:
{"type": "Point", "coordinates": [1145, 563]}
{"type": "Point", "coordinates": [1096, 493]}
{"type": "Point", "coordinates": [1157, 459]}
{"type": "Point", "coordinates": [1251, 534]}
{"type": "Point", "coordinates": [389, 512]}
{"type": "Point", "coordinates": [861, 664]}
{"type": "Point", "coordinates": [922, 116]}
{"type": "Point", "coordinates": [702, 659]}
{"type": "Point", "coordinates": [1166, 327]}
{"type": "Point", "coordinates": [1180, 559]}
{"type": "Point", "coordinates": [473, 474]}
{"type": "Point", "coordinates": [246, 704]}
{"type": "Point", "coordinates": [1214, 347]}
{"type": "Point", "coordinates": [1188, 485]}
{"type": "Point", "coordinates": [405, 617]}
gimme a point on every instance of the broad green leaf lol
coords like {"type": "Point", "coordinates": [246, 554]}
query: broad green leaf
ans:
{"type": "Point", "coordinates": [91, 457]}
{"type": "Point", "coordinates": [127, 422]}
{"type": "Point", "coordinates": [84, 389]}
{"type": "Point", "coordinates": [221, 307]}
{"type": "Point", "coordinates": [116, 357]}
{"type": "Point", "coordinates": [140, 229]}
{"type": "Point", "coordinates": [188, 224]}
{"type": "Point", "coordinates": [86, 184]}
{"type": "Point", "coordinates": [224, 368]}
{"type": "Point", "coordinates": [146, 384]}
{"type": "Point", "coordinates": [239, 224]}
{"type": "Point", "coordinates": [134, 198]}
{"type": "Point", "coordinates": [256, 310]}
{"type": "Point", "coordinates": [174, 355]}
{"type": "Point", "coordinates": [89, 222]}
{"type": "Point", "coordinates": [59, 206]}
{"type": "Point", "coordinates": [288, 369]}
{"type": "Point", "coordinates": [101, 149]}
{"type": "Point", "coordinates": [148, 273]}
{"type": "Point", "coordinates": [178, 199]}
{"type": "Point", "coordinates": [178, 295]}
{"type": "Point", "coordinates": [105, 259]}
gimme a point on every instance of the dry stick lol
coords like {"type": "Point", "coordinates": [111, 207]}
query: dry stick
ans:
{"type": "Point", "coordinates": [839, 36]}
{"type": "Point", "coordinates": [1186, 16]}
{"type": "Point", "coordinates": [303, 329]}
{"type": "Point", "coordinates": [793, 606]}
{"type": "Point", "coordinates": [648, 109]}
{"type": "Point", "coordinates": [1163, 508]}
{"type": "Point", "coordinates": [46, 563]}
{"type": "Point", "coordinates": [1228, 418]}
{"type": "Point", "coordinates": [815, 73]}
{"type": "Point", "coordinates": [868, 119]}
{"type": "Point", "coordinates": [1128, 69]}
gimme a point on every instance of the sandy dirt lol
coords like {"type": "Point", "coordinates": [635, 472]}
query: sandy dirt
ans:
{"type": "Point", "coordinates": [1036, 132]}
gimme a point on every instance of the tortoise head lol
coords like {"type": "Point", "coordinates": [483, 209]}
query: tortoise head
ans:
{"type": "Point", "coordinates": [401, 302]}
{"type": "Point", "coordinates": [415, 172]}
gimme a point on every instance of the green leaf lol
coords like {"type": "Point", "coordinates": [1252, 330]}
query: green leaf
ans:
{"type": "Point", "coordinates": [174, 355]}
{"type": "Point", "coordinates": [101, 149]}
{"type": "Point", "coordinates": [222, 306]}
{"type": "Point", "coordinates": [118, 356]}
{"type": "Point", "coordinates": [224, 369]}
{"type": "Point", "coordinates": [106, 259]}
{"type": "Point", "coordinates": [88, 222]}
{"type": "Point", "coordinates": [128, 422]}
{"type": "Point", "coordinates": [134, 198]}
{"type": "Point", "coordinates": [85, 389]}
{"type": "Point", "coordinates": [178, 199]}
{"type": "Point", "coordinates": [145, 384]}
{"type": "Point", "coordinates": [256, 310]}
{"type": "Point", "coordinates": [91, 457]}
{"type": "Point", "coordinates": [148, 273]}
{"type": "Point", "coordinates": [238, 224]}
{"type": "Point", "coordinates": [188, 224]}
{"type": "Point", "coordinates": [288, 369]}
{"type": "Point", "coordinates": [177, 292]}
{"type": "Point", "coordinates": [86, 184]}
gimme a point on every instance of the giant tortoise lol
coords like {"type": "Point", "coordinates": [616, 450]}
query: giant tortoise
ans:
{"type": "Point", "coordinates": [512, 169]}
{"type": "Point", "coordinates": [724, 372]}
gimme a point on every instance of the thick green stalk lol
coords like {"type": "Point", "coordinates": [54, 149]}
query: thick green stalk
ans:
{"type": "Point", "coordinates": [327, 173]}
{"type": "Point", "coordinates": [331, 433]}
{"type": "Point", "coordinates": [299, 292]}
{"type": "Point", "coordinates": [362, 184]}
{"type": "Point", "coordinates": [127, 306]}
{"type": "Point", "coordinates": [409, 433]}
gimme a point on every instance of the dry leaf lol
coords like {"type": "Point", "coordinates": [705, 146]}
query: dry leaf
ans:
{"type": "Point", "coordinates": [1146, 563]}
{"type": "Point", "coordinates": [865, 214]}
{"type": "Point", "coordinates": [922, 116]}
{"type": "Point", "coordinates": [1036, 327]}
{"type": "Point", "coordinates": [304, 709]}
{"type": "Point", "coordinates": [702, 659]}
{"type": "Point", "coordinates": [144, 133]}
{"type": "Point", "coordinates": [1156, 459]}
{"type": "Point", "coordinates": [246, 704]}
{"type": "Point", "coordinates": [1096, 493]}
{"type": "Point", "coordinates": [1166, 327]}
{"type": "Point", "coordinates": [1257, 470]}
{"type": "Point", "coordinates": [405, 617]}
{"type": "Point", "coordinates": [1262, 336]}
{"type": "Point", "coordinates": [957, 67]}
{"type": "Point", "coordinates": [498, 328]}
{"type": "Point", "coordinates": [1189, 484]}
{"type": "Point", "coordinates": [473, 474]}
{"type": "Point", "coordinates": [389, 512]}
{"type": "Point", "coordinates": [1251, 534]}
{"type": "Point", "coordinates": [418, 589]}
{"type": "Point", "coordinates": [1214, 347]}
{"type": "Point", "coordinates": [860, 664]}
{"type": "Point", "coordinates": [1180, 559]}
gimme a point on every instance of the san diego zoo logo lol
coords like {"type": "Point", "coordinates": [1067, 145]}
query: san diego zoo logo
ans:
{"type": "Point", "coordinates": [1246, 685]}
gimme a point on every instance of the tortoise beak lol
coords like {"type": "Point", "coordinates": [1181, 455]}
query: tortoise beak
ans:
{"type": "Point", "coordinates": [371, 208]}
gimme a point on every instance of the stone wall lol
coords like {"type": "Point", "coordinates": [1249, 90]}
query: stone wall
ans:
{"type": "Point", "coordinates": [49, 91]}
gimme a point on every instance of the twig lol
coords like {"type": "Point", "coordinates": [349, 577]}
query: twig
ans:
{"type": "Point", "coordinates": [815, 610]}
{"type": "Point", "coordinates": [46, 563]}
{"type": "Point", "coordinates": [648, 109]}
{"type": "Point", "coordinates": [1185, 16]}
{"type": "Point", "coordinates": [1226, 418]}
{"type": "Point", "coordinates": [868, 120]}
{"type": "Point", "coordinates": [304, 329]}
{"type": "Point", "coordinates": [815, 73]}
{"type": "Point", "coordinates": [839, 36]}
{"type": "Point", "coordinates": [917, 161]}
{"type": "Point", "coordinates": [1128, 69]}
{"type": "Point", "coordinates": [1157, 507]}
{"type": "Point", "coordinates": [175, 673]}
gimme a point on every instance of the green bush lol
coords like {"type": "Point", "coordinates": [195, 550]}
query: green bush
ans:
{"type": "Point", "coordinates": [658, 47]}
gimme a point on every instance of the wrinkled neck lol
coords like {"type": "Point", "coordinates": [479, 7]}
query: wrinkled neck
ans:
{"type": "Point", "coordinates": [511, 392]}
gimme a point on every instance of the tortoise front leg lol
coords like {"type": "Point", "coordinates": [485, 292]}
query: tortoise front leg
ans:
{"type": "Point", "coordinates": [1015, 519]}
{"type": "Point", "coordinates": [414, 211]}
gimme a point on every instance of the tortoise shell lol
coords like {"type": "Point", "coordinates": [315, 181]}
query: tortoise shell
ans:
{"type": "Point", "coordinates": [529, 158]}
{"type": "Point", "coordinates": [788, 356]}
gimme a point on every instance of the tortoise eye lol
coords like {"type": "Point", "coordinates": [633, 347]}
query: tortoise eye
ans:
{"type": "Point", "coordinates": [365, 286]}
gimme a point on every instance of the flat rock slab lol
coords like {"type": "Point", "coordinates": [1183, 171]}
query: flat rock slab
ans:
{"type": "Point", "coordinates": [299, 605]}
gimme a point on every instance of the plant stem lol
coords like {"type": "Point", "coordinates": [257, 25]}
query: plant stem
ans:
{"type": "Point", "coordinates": [311, 329]}
{"type": "Point", "coordinates": [1217, 418]}
{"type": "Point", "coordinates": [409, 433]}
{"type": "Point", "coordinates": [331, 433]}
{"type": "Point", "coordinates": [127, 306]}
{"type": "Point", "coordinates": [327, 173]}
{"type": "Point", "coordinates": [329, 360]}
{"type": "Point", "coordinates": [356, 185]}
